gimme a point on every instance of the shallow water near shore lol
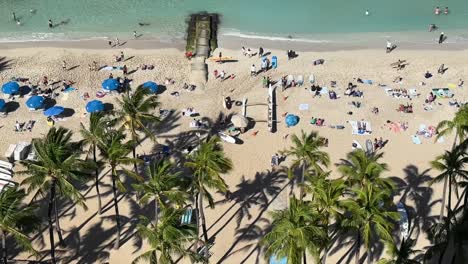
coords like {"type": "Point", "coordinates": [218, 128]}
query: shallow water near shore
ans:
{"type": "Point", "coordinates": [309, 20]}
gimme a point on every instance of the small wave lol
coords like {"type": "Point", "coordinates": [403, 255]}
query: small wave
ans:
{"type": "Point", "coordinates": [273, 38]}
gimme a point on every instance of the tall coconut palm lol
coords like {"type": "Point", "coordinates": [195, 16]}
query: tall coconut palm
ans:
{"type": "Point", "coordinates": [306, 152]}
{"type": "Point", "coordinates": [135, 114]}
{"type": "Point", "coordinates": [207, 164]}
{"type": "Point", "coordinates": [327, 199]}
{"type": "Point", "coordinates": [403, 254]}
{"type": "Point", "coordinates": [360, 169]}
{"type": "Point", "coordinates": [166, 238]}
{"type": "Point", "coordinates": [163, 185]}
{"type": "Point", "coordinates": [459, 125]}
{"type": "Point", "coordinates": [57, 166]}
{"type": "Point", "coordinates": [115, 151]}
{"type": "Point", "coordinates": [16, 220]}
{"type": "Point", "coordinates": [294, 232]}
{"type": "Point", "coordinates": [451, 164]}
{"type": "Point", "coordinates": [91, 136]}
{"type": "Point", "coordinates": [369, 215]}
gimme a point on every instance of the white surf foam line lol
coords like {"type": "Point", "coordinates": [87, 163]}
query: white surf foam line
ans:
{"type": "Point", "coordinates": [272, 38]}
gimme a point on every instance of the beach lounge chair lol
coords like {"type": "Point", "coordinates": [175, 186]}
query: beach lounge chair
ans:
{"type": "Point", "coordinates": [5, 164]}
{"type": "Point", "coordinates": [10, 151]}
{"type": "Point", "coordinates": [300, 80]}
{"type": "Point", "coordinates": [289, 80]}
{"type": "Point", "coordinates": [187, 217]}
{"type": "Point", "coordinates": [311, 79]}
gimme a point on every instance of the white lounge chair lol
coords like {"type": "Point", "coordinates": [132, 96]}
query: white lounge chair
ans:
{"type": "Point", "coordinates": [6, 164]}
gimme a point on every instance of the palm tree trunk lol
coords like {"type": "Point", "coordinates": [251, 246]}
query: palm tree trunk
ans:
{"type": "Point", "coordinates": [96, 180]}
{"type": "Point", "coordinates": [202, 215]}
{"type": "Point", "coordinates": [301, 192]}
{"type": "Point", "coordinates": [156, 211]}
{"type": "Point", "coordinates": [116, 206]}
{"type": "Point", "coordinates": [369, 258]}
{"type": "Point", "coordinates": [325, 253]}
{"type": "Point", "coordinates": [441, 216]}
{"type": "Point", "coordinates": [4, 249]}
{"type": "Point", "coordinates": [304, 257]}
{"type": "Point", "coordinates": [358, 249]}
{"type": "Point", "coordinates": [449, 209]}
{"type": "Point", "coordinates": [197, 219]}
{"type": "Point", "coordinates": [51, 225]}
{"type": "Point", "coordinates": [57, 225]}
{"type": "Point", "coordinates": [135, 168]}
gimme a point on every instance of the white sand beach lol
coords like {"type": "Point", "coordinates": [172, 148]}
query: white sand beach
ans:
{"type": "Point", "coordinates": [238, 223]}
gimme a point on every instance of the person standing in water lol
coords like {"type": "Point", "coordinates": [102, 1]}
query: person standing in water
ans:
{"type": "Point", "coordinates": [437, 11]}
{"type": "Point", "coordinates": [135, 34]}
{"type": "Point", "coordinates": [367, 12]}
{"type": "Point", "coordinates": [446, 11]}
{"type": "Point", "coordinates": [441, 38]}
{"type": "Point", "coordinates": [13, 15]}
{"type": "Point", "coordinates": [51, 25]}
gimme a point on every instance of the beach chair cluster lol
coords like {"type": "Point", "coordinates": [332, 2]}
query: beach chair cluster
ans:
{"type": "Point", "coordinates": [360, 127]}
{"type": "Point", "coordinates": [6, 174]}
{"type": "Point", "coordinates": [20, 151]}
{"type": "Point", "coordinates": [402, 93]}
{"type": "Point", "coordinates": [271, 108]}
{"type": "Point", "coordinates": [442, 92]}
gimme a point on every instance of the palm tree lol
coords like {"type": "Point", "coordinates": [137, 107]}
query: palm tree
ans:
{"type": "Point", "coordinates": [166, 238]}
{"type": "Point", "coordinates": [327, 199]}
{"type": "Point", "coordinates": [459, 125]}
{"type": "Point", "coordinates": [306, 152]}
{"type": "Point", "coordinates": [368, 214]}
{"type": "Point", "coordinates": [207, 164]}
{"type": "Point", "coordinates": [16, 219]}
{"type": "Point", "coordinates": [451, 165]}
{"type": "Point", "coordinates": [116, 152]}
{"type": "Point", "coordinates": [295, 231]}
{"type": "Point", "coordinates": [361, 169]}
{"type": "Point", "coordinates": [58, 164]}
{"type": "Point", "coordinates": [135, 114]}
{"type": "Point", "coordinates": [403, 254]}
{"type": "Point", "coordinates": [163, 185]}
{"type": "Point", "coordinates": [91, 136]}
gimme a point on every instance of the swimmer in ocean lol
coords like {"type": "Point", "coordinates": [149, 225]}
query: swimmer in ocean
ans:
{"type": "Point", "coordinates": [432, 27]}
{"type": "Point", "coordinates": [367, 12]}
{"type": "Point", "coordinates": [437, 11]}
{"type": "Point", "coordinates": [446, 11]}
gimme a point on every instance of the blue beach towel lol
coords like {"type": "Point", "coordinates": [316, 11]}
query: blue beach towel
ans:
{"type": "Point", "coordinates": [416, 140]}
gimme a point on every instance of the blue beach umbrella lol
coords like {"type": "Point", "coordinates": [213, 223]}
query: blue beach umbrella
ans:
{"type": "Point", "coordinates": [2, 103]}
{"type": "Point", "coordinates": [94, 106]}
{"type": "Point", "coordinates": [10, 88]}
{"type": "Point", "coordinates": [274, 260]}
{"type": "Point", "coordinates": [35, 102]}
{"type": "Point", "coordinates": [110, 84]}
{"type": "Point", "coordinates": [291, 120]}
{"type": "Point", "coordinates": [152, 86]}
{"type": "Point", "coordinates": [53, 111]}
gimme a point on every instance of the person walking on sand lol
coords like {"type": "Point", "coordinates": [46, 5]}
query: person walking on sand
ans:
{"type": "Point", "coordinates": [121, 55]}
{"type": "Point", "coordinates": [441, 38]}
{"type": "Point", "coordinates": [125, 70]}
{"type": "Point", "coordinates": [135, 34]}
{"type": "Point", "coordinates": [260, 52]}
{"type": "Point", "coordinates": [117, 41]}
{"type": "Point", "coordinates": [51, 25]}
{"type": "Point", "coordinates": [243, 51]}
{"type": "Point", "coordinates": [110, 43]}
{"type": "Point", "coordinates": [64, 65]}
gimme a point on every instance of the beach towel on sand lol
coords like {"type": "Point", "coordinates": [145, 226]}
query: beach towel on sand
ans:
{"type": "Point", "coordinates": [355, 130]}
{"type": "Point", "coordinates": [304, 107]}
{"type": "Point", "coordinates": [416, 140]}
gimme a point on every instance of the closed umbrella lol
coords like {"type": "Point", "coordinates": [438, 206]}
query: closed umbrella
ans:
{"type": "Point", "coordinates": [35, 102]}
{"type": "Point", "coordinates": [239, 121]}
{"type": "Point", "coordinates": [291, 120]}
{"type": "Point", "coordinates": [2, 103]}
{"type": "Point", "coordinates": [53, 111]}
{"type": "Point", "coordinates": [94, 106]}
{"type": "Point", "coordinates": [10, 87]}
{"type": "Point", "coordinates": [110, 84]}
{"type": "Point", "coordinates": [152, 86]}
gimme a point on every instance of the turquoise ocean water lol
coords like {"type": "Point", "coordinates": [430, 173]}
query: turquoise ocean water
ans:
{"type": "Point", "coordinates": [314, 20]}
